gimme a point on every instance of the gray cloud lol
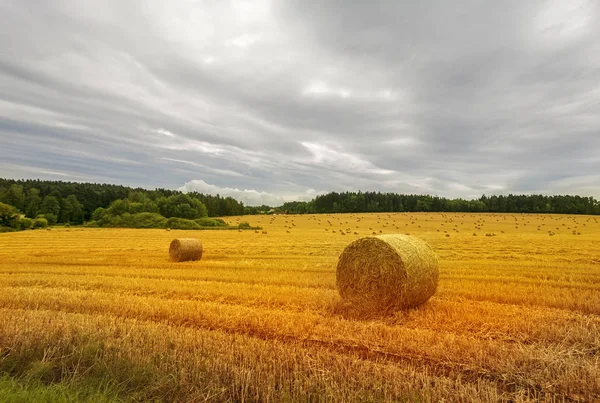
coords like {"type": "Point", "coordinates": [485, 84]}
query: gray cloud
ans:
{"type": "Point", "coordinates": [269, 100]}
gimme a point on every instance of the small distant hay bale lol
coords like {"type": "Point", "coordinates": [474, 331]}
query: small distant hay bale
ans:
{"type": "Point", "coordinates": [385, 273]}
{"type": "Point", "coordinates": [185, 249]}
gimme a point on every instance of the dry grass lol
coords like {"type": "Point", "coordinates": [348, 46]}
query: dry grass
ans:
{"type": "Point", "coordinates": [516, 316]}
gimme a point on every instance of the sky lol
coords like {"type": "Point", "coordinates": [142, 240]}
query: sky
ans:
{"type": "Point", "coordinates": [272, 101]}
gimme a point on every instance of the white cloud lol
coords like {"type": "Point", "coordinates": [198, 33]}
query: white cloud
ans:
{"type": "Point", "coordinates": [559, 21]}
{"type": "Point", "coordinates": [403, 141]}
{"type": "Point", "coordinates": [252, 197]}
{"type": "Point", "coordinates": [249, 197]}
{"type": "Point", "coordinates": [177, 142]}
{"type": "Point", "coordinates": [244, 40]}
{"type": "Point", "coordinates": [207, 168]}
{"type": "Point", "coordinates": [308, 195]}
{"type": "Point", "coordinates": [321, 89]}
{"type": "Point", "coordinates": [165, 132]}
{"type": "Point", "coordinates": [193, 145]}
{"type": "Point", "coordinates": [328, 156]}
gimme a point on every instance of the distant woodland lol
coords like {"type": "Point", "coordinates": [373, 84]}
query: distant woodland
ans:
{"type": "Point", "coordinates": [359, 202]}
{"type": "Point", "coordinates": [37, 203]}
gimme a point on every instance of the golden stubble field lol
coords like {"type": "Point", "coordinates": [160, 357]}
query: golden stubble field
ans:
{"type": "Point", "coordinates": [516, 316]}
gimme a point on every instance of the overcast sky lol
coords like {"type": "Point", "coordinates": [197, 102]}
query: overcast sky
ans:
{"type": "Point", "coordinates": [284, 99]}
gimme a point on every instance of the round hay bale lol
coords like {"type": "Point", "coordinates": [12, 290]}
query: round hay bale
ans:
{"type": "Point", "coordinates": [386, 273]}
{"type": "Point", "coordinates": [185, 249]}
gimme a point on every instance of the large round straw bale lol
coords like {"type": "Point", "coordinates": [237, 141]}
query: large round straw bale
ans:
{"type": "Point", "coordinates": [384, 273]}
{"type": "Point", "coordinates": [184, 249]}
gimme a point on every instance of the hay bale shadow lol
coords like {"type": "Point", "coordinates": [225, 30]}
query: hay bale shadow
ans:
{"type": "Point", "coordinates": [389, 316]}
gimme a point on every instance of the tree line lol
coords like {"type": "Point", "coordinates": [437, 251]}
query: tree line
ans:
{"type": "Point", "coordinates": [75, 202]}
{"type": "Point", "coordinates": [365, 202]}
{"type": "Point", "coordinates": [58, 202]}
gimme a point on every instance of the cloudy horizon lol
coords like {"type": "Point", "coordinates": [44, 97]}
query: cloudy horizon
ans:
{"type": "Point", "coordinates": [272, 101]}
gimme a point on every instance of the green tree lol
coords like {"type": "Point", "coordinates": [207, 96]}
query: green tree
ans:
{"type": "Point", "coordinates": [8, 214]}
{"type": "Point", "coordinates": [33, 201]}
{"type": "Point", "coordinates": [182, 206]}
{"type": "Point", "coordinates": [98, 214]}
{"type": "Point", "coordinates": [181, 223]}
{"type": "Point", "coordinates": [118, 207]}
{"type": "Point", "coordinates": [72, 210]}
{"type": "Point", "coordinates": [50, 205]}
{"type": "Point", "coordinates": [26, 223]}
{"type": "Point", "coordinates": [147, 206]}
{"type": "Point", "coordinates": [15, 197]}
{"type": "Point", "coordinates": [51, 218]}
{"type": "Point", "coordinates": [39, 223]}
{"type": "Point", "coordinates": [94, 195]}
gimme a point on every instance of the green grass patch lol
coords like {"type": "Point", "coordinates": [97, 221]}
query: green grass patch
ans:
{"type": "Point", "coordinates": [86, 371]}
{"type": "Point", "coordinates": [30, 390]}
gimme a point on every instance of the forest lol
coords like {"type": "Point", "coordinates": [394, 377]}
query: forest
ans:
{"type": "Point", "coordinates": [367, 202]}
{"type": "Point", "coordinates": [77, 201]}
{"type": "Point", "coordinates": [37, 204]}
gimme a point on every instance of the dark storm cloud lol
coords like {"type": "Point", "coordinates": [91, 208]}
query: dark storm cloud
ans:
{"type": "Point", "coordinates": [269, 101]}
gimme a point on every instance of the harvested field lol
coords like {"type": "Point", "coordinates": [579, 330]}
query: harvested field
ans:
{"type": "Point", "coordinates": [516, 315]}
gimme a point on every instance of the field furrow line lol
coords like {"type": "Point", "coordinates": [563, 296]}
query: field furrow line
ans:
{"type": "Point", "coordinates": [505, 382]}
{"type": "Point", "coordinates": [491, 321]}
{"type": "Point", "coordinates": [488, 356]}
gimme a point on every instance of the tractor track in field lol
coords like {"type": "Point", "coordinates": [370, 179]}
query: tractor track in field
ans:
{"type": "Point", "coordinates": [507, 383]}
{"type": "Point", "coordinates": [177, 278]}
{"type": "Point", "coordinates": [326, 309]}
